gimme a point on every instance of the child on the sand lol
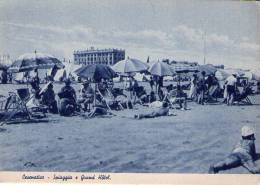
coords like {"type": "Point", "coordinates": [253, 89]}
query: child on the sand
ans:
{"type": "Point", "coordinates": [162, 111]}
{"type": "Point", "coordinates": [243, 154]}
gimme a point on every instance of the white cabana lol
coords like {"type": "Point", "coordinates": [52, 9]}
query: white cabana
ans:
{"type": "Point", "coordinates": [60, 75]}
{"type": "Point", "coordinates": [221, 74]}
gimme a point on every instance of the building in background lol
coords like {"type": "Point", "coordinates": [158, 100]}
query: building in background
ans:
{"type": "Point", "coordinates": [99, 56]}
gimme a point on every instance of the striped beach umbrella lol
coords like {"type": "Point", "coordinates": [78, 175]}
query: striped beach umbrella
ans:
{"type": "Point", "coordinates": [30, 61]}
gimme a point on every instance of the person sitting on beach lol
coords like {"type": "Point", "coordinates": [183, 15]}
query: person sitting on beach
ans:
{"type": "Point", "coordinates": [48, 99]}
{"type": "Point", "coordinates": [177, 96]}
{"type": "Point", "coordinates": [162, 111]}
{"type": "Point", "coordinates": [67, 95]}
{"type": "Point", "coordinates": [243, 154]}
{"type": "Point", "coordinates": [86, 95]}
{"type": "Point", "coordinates": [152, 97]}
{"type": "Point", "coordinates": [35, 84]}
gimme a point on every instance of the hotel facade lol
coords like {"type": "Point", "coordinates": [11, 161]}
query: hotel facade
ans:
{"type": "Point", "coordinates": [99, 56]}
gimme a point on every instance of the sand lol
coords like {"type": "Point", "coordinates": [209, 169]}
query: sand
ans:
{"type": "Point", "coordinates": [186, 143]}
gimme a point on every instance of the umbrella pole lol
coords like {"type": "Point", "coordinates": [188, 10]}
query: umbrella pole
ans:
{"type": "Point", "coordinates": [95, 95]}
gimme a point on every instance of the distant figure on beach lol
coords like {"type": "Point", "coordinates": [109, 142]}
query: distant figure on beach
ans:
{"type": "Point", "coordinates": [193, 87]}
{"type": "Point", "coordinates": [67, 97]}
{"type": "Point", "coordinates": [35, 84]}
{"type": "Point", "coordinates": [4, 77]}
{"type": "Point", "coordinates": [151, 82]}
{"type": "Point", "coordinates": [48, 99]}
{"type": "Point", "coordinates": [212, 86]}
{"type": "Point", "coordinates": [163, 111]}
{"type": "Point", "coordinates": [243, 154]}
{"type": "Point", "coordinates": [231, 83]}
{"type": "Point", "coordinates": [201, 88]}
{"type": "Point", "coordinates": [86, 95]}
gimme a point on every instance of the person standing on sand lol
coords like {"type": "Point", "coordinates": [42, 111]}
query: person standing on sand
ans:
{"type": "Point", "coordinates": [201, 88]}
{"type": "Point", "coordinates": [151, 82]}
{"type": "Point", "coordinates": [68, 99]}
{"type": "Point", "coordinates": [243, 154]}
{"type": "Point", "coordinates": [231, 88]}
{"type": "Point", "coordinates": [193, 87]}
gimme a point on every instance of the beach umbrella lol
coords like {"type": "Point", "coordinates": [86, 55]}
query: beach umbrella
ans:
{"type": "Point", "coordinates": [96, 72]}
{"type": "Point", "coordinates": [31, 61]}
{"type": "Point", "coordinates": [208, 68]}
{"type": "Point", "coordinates": [130, 65]}
{"type": "Point", "coordinates": [161, 69]}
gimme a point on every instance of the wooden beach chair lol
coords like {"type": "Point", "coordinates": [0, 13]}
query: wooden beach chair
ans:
{"type": "Point", "coordinates": [14, 107]}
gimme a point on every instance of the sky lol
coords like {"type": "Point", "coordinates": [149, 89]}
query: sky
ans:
{"type": "Point", "coordinates": [159, 29]}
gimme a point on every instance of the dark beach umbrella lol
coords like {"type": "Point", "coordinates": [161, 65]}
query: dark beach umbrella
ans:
{"type": "Point", "coordinates": [161, 69]}
{"type": "Point", "coordinates": [96, 72]}
{"type": "Point", "coordinates": [208, 68]}
{"type": "Point", "coordinates": [30, 61]}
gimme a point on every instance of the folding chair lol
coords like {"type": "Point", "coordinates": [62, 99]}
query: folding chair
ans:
{"type": "Point", "coordinates": [243, 97]}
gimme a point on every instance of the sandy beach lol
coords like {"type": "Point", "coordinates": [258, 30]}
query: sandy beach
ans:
{"type": "Point", "coordinates": [186, 143]}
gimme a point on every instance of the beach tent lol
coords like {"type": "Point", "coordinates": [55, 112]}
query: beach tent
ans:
{"type": "Point", "coordinates": [19, 77]}
{"type": "Point", "coordinates": [61, 75]}
{"type": "Point", "coordinates": [168, 78]}
{"type": "Point", "coordinates": [140, 77]}
{"type": "Point", "coordinates": [251, 76]}
{"type": "Point", "coordinates": [221, 74]}
{"type": "Point", "coordinates": [71, 68]}
{"type": "Point", "coordinates": [238, 72]}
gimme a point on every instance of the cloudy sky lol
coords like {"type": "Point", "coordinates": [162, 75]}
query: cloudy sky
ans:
{"type": "Point", "coordinates": [168, 29]}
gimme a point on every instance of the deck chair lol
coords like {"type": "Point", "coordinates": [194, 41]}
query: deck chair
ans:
{"type": "Point", "coordinates": [14, 107]}
{"type": "Point", "coordinates": [172, 98]}
{"type": "Point", "coordinates": [242, 98]}
{"type": "Point", "coordinates": [107, 97]}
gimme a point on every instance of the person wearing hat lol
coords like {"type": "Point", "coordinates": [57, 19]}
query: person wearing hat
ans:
{"type": "Point", "coordinates": [86, 95]}
{"type": "Point", "coordinates": [243, 154]}
{"type": "Point", "coordinates": [68, 98]}
{"type": "Point", "coordinates": [231, 82]}
{"type": "Point", "coordinates": [48, 98]}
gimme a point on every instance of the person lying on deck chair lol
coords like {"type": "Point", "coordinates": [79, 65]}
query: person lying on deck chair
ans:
{"type": "Point", "coordinates": [163, 111]}
{"type": "Point", "coordinates": [243, 154]}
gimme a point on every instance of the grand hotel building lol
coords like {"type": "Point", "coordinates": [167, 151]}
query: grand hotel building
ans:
{"type": "Point", "coordinates": [99, 56]}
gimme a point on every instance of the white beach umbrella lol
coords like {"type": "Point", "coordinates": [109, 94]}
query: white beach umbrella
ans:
{"type": "Point", "coordinates": [161, 69]}
{"type": "Point", "coordinates": [129, 65]}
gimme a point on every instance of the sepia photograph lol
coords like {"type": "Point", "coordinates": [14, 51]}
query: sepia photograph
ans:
{"type": "Point", "coordinates": [119, 86]}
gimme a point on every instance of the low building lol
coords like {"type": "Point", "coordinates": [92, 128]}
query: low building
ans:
{"type": "Point", "coordinates": [99, 56]}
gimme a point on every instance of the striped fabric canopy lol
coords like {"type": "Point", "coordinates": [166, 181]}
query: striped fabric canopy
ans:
{"type": "Point", "coordinates": [30, 61]}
